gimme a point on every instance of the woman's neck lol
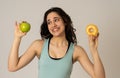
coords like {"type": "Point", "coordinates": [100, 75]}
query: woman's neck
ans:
{"type": "Point", "coordinates": [59, 41]}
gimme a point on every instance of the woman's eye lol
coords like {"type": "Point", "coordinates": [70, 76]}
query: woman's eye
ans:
{"type": "Point", "coordinates": [56, 20]}
{"type": "Point", "coordinates": [48, 23]}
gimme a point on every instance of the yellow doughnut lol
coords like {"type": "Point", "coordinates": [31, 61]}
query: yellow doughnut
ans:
{"type": "Point", "coordinates": [92, 30]}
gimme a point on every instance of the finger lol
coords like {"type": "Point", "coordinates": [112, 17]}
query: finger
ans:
{"type": "Point", "coordinates": [16, 25]}
{"type": "Point", "coordinates": [96, 37]}
{"type": "Point", "coordinates": [96, 41]}
{"type": "Point", "coordinates": [90, 37]}
{"type": "Point", "coordinates": [98, 34]}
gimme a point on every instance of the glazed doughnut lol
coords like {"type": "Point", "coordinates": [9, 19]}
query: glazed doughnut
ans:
{"type": "Point", "coordinates": [92, 30]}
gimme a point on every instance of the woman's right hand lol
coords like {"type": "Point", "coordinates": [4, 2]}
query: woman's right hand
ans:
{"type": "Point", "coordinates": [18, 33]}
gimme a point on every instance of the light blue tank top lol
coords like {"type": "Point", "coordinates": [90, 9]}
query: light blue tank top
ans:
{"type": "Point", "coordinates": [55, 68]}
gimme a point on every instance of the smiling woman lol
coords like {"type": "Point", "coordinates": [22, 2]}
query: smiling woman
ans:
{"type": "Point", "coordinates": [57, 51]}
{"type": "Point", "coordinates": [55, 24]}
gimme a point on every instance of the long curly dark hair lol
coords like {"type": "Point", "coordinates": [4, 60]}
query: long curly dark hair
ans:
{"type": "Point", "coordinates": [69, 30]}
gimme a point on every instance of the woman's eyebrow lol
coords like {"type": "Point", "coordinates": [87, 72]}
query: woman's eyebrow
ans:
{"type": "Point", "coordinates": [53, 18]}
{"type": "Point", "coordinates": [56, 17]}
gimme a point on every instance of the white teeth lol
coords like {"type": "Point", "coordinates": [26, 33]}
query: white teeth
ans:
{"type": "Point", "coordinates": [55, 29]}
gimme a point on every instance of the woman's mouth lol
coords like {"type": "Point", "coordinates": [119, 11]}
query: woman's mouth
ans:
{"type": "Point", "coordinates": [55, 29]}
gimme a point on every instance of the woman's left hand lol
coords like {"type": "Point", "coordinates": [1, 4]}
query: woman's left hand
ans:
{"type": "Point", "coordinates": [93, 41]}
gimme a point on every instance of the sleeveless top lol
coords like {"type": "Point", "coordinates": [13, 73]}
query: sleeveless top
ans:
{"type": "Point", "coordinates": [49, 67]}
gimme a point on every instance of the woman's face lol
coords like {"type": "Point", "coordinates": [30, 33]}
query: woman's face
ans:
{"type": "Point", "coordinates": [56, 25]}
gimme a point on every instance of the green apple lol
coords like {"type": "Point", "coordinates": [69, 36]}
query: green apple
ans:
{"type": "Point", "coordinates": [25, 26]}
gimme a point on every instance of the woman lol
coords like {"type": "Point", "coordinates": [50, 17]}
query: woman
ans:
{"type": "Point", "coordinates": [57, 51]}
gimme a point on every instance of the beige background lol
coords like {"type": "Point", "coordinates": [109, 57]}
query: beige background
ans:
{"type": "Point", "coordinates": [104, 13]}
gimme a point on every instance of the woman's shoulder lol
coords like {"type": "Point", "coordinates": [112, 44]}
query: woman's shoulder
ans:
{"type": "Point", "coordinates": [78, 51]}
{"type": "Point", "coordinates": [38, 43]}
{"type": "Point", "coordinates": [78, 47]}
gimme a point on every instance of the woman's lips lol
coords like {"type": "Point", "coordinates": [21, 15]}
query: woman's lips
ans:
{"type": "Point", "coordinates": [55, 29]}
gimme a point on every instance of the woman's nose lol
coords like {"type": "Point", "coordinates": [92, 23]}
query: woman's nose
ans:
{"type": "Point", "coordinates": [53, 24]}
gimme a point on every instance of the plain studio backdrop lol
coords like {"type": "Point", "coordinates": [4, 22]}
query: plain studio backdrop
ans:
{"type": "Point", "coordinates": [104, 13]}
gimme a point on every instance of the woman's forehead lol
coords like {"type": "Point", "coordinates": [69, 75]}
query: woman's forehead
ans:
{"type": "Point", "coordinates": [52, 15]}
